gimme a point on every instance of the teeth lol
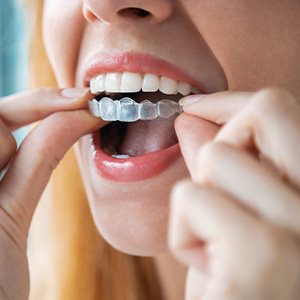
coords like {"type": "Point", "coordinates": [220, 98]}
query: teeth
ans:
{"type": "Point", "coordinates": [184, 88]}
{"type": "Point", "coordinates": [100, 83]}
{"type": "Point", "coordinates": [168, 86]}
{"type": "Point", "coordinates": [150, 83]}
{"type": "Point", "coordinates": [93, 85]}
{"type": "Point", "coordinates": [113, 82]}
{"type": "Point", "coordinates": [94, 108]}
{"type": "Point", "coordinates": [128, 82]}
{"type": "Point", "coordinates": [167, 108]}
{"type": "Point", "coordinates": [127, 110]}
{"type": "Point", "coordinates": [120, 156]}
{"type": "Point", "coordinates": [148, 110]}
{"type": "Point", "coordinates": [131, 82]}
{"type": "Point", "coordinates": [108, 109]}
{"type": "Point", "coordinates": [195, 90]}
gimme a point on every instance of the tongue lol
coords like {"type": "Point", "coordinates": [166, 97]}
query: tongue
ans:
{"type": "Point", "coordinates": [148, 136]}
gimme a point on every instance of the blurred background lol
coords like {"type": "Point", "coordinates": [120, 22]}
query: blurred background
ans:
{"type": "Point", "coordinates": [13, 52]}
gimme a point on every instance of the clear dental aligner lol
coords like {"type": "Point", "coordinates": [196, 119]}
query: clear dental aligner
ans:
{"type": "Point", "coordinates": [127, 110]}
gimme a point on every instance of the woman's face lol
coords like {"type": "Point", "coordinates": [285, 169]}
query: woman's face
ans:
{"type": "Point", "coordinates": [215, 44]}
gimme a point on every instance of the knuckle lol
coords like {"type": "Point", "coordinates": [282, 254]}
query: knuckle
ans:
{"type": "Point", "coordinates": [48, 145]}
{"type": "Point", "coordinates": [42, 92]}
{"type": "Point", "coordinates": [11, 144]}
{"type": "Point", "coordinates": [45, 151]}
{"type": "Point", "coordinates": [8, 147]}
{"type": "Point", "coordinates": [53, 162]}
{"type": "Point", "coordinates": [16, 211]}
{"type": "Point", "coordinates": [270, 101]}
{"type": "Point", "coordinates": [46, 157]}
{"type": "Point", "coordinates": [211, 151]}
{"type": "Point", "coordinates": [179, 192]}
{"type": "Point", "coordinates": [209, 155]}
{"type": "Point", "coordinates": [49, 155]}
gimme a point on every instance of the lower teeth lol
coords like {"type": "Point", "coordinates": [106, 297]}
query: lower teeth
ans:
{"type": "Point", "coordinates": [120, 156]}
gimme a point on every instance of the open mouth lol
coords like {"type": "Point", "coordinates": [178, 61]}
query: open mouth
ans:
{"type": "Point", "coordinates": [122, 140]}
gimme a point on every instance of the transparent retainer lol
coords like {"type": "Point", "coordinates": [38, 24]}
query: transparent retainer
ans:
{"type": "Point", "coordinates": [127, 110]}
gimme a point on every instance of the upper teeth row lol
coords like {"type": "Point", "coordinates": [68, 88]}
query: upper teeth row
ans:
{"type": "Point", "coordinates": [127, 82]}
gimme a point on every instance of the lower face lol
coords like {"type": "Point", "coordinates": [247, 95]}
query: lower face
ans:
{"type": "Point", "coordinates": [232, 44]}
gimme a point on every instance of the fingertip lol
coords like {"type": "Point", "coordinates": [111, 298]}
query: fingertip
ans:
{"type": "Point", "coordinates": [192, 99]}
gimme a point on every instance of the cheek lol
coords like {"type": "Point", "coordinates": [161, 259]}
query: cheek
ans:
{"type": "Point", "coordinates": [63, 26]}
{"type": "Point", "coordinates": [252, 40]}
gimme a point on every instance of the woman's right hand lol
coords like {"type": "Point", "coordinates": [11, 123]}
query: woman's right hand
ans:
{"type": "Point", "coordinates": [65, 121]}
{"type": "Point", "coordinates": [236, 224]}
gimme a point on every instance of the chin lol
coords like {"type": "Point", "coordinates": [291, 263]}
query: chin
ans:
{"type": "Point", "coordinates": [138, 233]}
{"type": "Point", "coordinates": [134, 217]}
{"type": "Point", "coordinates": [131, 216]}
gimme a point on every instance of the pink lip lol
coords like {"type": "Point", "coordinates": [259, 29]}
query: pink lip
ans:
{"type": "Point", "coordinates": [135, 168]}
{"type": "Point", "coordinates": [136, 62]}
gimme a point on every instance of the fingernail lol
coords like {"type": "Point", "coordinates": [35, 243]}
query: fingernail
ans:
{"type": "Point", "coordinates": [74, 92]}
{"type": "Point", "coordinates": [191, 99]}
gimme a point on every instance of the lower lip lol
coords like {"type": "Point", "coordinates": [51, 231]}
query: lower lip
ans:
{"type": "Point", "coordinates": [135, 168]}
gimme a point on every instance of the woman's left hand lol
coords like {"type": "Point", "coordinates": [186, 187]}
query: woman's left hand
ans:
{"type": "Point", "coordinates": [236, 224]}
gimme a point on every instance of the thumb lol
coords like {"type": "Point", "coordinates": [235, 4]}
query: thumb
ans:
{"type": "Point", "coordinates": [37, 157]}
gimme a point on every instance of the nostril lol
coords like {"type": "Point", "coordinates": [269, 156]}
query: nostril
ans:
{"type": "Point", "coordinates": [88, 14]}
{"type": "Point", "coordinates": [134, 12]}
{"type": "Point", "coordinates": [140, 12]}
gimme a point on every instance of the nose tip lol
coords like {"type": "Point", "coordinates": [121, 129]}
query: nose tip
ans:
{"type": "Point", "coordinates": [122, 12]}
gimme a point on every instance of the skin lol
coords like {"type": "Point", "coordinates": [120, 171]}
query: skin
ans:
{"type": "Point", "coordinates": [206, 50]}
{"type": "Point", "coordinates": [240, 149]}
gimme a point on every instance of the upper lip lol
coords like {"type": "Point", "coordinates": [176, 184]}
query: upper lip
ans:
{"type": "Point", "coordinates": [136, 62]}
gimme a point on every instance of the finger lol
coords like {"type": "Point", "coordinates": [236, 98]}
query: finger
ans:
{"type": "Point", "coordinates": [196, 282]}
{"type": "Point", "coordinates": [8, 145]}
{"type": "Point", "coordinates": [200, 218]}
{"type": "Point", "coordinates": [232, 241]}
{"type": "Point", "coordinates": [38, 155]}
{"type": "Point", "coordinates": [24, 108]}
{"type": "Point", "coordinates": [271, 122]}
{"type": "Point", "coordinates": [218, 108]}
{"type": "Point", "coordinates": [268, 270]}
{"type": "Point", "coordinates": [241, 176]}
{"type": "Point", "coordinates": [193, 132]}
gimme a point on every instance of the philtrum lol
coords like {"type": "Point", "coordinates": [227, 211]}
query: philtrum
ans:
{"type": "Point", "coordinates": [127, 110]}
